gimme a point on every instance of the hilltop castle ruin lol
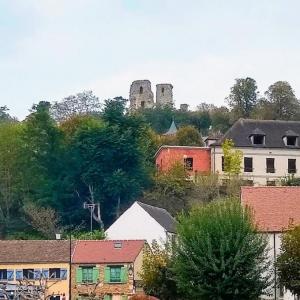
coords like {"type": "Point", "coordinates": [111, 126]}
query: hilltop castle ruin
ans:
{"type": "Point", "coordinates": [141, 95]}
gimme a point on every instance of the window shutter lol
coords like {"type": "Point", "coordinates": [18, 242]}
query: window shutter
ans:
{"type": "Point", "coordinates": [19, 274]}
{"type": "Point", "coordinates": [37, 274]}
{"type": "Point", "coordinates": [107, 274]}
{"type": "Point", "coordinates": [10, 275]}
{"type": "Point", "coordinates": [124, 297]}
{"type": "Point", "coordinates": [107, 297]}
{"type": "Point", "coordinates": [79, 275]}
{"type": "Point", "coordinates": [45, 273]}
{"type": "Point", "coordinates": [63, 273]}
{"type": "Point", "coordinates": [95, 274]}
{"type": "Point", "coordinates": [124, 274]}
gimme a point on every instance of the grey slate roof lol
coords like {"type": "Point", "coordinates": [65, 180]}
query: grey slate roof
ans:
{"type": "Point", "coordinates": [274, 131]}
{"type": "Point", "coordinates": [161, 216]}
{"type": "Point", "coordinates": [172, 129]}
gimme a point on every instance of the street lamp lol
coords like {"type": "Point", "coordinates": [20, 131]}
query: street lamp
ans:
{"type": "Point", "coordinates": [91, 208]}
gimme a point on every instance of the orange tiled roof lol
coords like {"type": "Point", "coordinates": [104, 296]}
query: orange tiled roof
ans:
{"type": "Point", "coordinates": [104, 251]}
{"type": "Point", "coordinates": [273, 207]}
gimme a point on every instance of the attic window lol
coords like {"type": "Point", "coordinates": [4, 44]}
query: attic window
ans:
{"type": "Point", "coordinates": [117, 245]}
{"type": "Point", "coordinates": [162, 90]}
{"type": "Point", "coordinates": [258, 139]}
{"type": "Point", "coordinates": [291, 141]}
{"type": "Point", "coordinates": [141, 90]}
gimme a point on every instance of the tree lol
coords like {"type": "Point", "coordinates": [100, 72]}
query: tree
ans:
{"type": "Point", "coordinates": [43, 219]}
{"type": "Point", "coordinates": [243, 97]}
{"type": "Point", "coordinates": [84, 103]}
{"type": "Point", "coordinates": [5, 116]}
{"type": "Point", "coordinates": [188, 136]}
{"type": "Point", "coordinates": [282, 101]}
{"type": "Point", "coordinates": [157, 275]}
{"type": "Point", "coordinates": [232, 158]}
{"type": "Point", "coordinates": [219, 254]}
{"type": "Point", "coordinates": [288, 261]}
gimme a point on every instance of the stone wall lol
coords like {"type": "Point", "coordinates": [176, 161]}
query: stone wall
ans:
{"type": "Point", "coordinates": [140, 95]}
{"type": "Point", "coordinates": [164, 94]}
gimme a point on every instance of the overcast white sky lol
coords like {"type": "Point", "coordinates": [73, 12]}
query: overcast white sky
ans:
{"type": "Point", "coordinates": [50, 49]}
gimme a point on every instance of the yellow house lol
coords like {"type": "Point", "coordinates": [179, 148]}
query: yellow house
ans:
{"type": "Point", "coordinates": [35, 269]}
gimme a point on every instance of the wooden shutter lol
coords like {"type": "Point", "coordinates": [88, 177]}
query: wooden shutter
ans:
{"type": "Point", "coordinates": [107, 297]}
{"type": "Point", "coordinates": [107, 274]}
{"type": "Point", "coordinates": [10, 275]}
{"type": "Point", "coordinates": [124, 274]}
{"type": "Point", "coordinates": [19, 274]}
{"type": "Point", "coordinates": [95, 274]}
{"type": "Point", "coordinates": [63, 273]}
{"type": "Point", "coordinates": [79, 275]}
{"type": "Point", "coordinates": [124, 297]}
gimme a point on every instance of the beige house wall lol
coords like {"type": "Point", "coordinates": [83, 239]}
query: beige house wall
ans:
{"type": "Point", "coordinates": [259, 174]}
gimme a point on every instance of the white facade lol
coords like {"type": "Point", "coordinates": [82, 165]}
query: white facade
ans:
{"type": "Point", "coordinates": [259, 175]}
{"type": "Point", "coordinates": [136, 223]}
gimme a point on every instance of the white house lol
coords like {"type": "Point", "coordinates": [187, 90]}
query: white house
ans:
{"type": "Point", "coordinates": [273, 208]}
{"type": "Point", "coordinates": [271, 150]}
{"type": "Point", "coordinates": [143, 221]}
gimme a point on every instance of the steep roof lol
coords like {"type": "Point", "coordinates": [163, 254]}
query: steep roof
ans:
{"type": "Point", "coordinates": [34, 251]}
{"type": "Point", "coordinates": [273, 207]}
{"type": "Point", "coordinates": [172, 130]}
{"type": "Point", "coordinates": [105, 251]}
{"type": "Point", "coordinates": [274, 131]}
{"type": "Point", "coordinates": [161, 216]}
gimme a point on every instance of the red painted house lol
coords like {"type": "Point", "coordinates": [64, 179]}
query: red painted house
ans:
{"type": "Point", "coordinates": [195, 159]}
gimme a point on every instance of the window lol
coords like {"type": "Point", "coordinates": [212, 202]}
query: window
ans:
{"type": "Point", "coordinates": [270, 162]}
{"type": "Point", "coordinates": [291, 141]}
{"type": "Point", "coordinates": [247, 182]}
{"type": "Point", "coordinates": [54, 273]}
{"type": "Point", "coordinates": [258, 139]}
{"type": "Point", "coordinates": [117, 245]}
{"type": "Point", "coordinates": [55, 298]}
{"type": "Point", "coordinates": [162, 90]}
{"type": "Point", "coordinates": [292, 166]}
{"type": "Point", "coordinates": [141, 90]}
{"type": "Point", "coordinates": [28, 273]}
{"type": "Point", "coordinates": [188, 163]}
{"type": "Point", "coordinates": [271, 183]}
{"type": "Point", "coordinates": [142, 104]}
{"type": "Point", "coordinates": [248, 164]}
{"type": "Point", "coordinates": [223, 168]}
{"type": "Point", "coordinates": [115, 274]}
{"type": "Point", "coordinates": [3, 274]}
{"type": "Point", "coordinates": [87, 274]}
{"type": "Point", "coordinates": [107, 297]}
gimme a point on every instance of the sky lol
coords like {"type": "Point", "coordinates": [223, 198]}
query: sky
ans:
{"type": "Point", "coordinates": [50, 49]}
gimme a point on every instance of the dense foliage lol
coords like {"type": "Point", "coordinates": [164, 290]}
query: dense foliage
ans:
{"type": "Point", "coordinates": [219, 253]}
{"type": "Point", "coordinates": [288, 262]}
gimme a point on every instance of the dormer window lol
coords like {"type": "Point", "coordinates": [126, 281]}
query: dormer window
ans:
{"type": "Point", "coordinates": [258, 137]}
{"type": "Point", "coordinates": [290, 138]}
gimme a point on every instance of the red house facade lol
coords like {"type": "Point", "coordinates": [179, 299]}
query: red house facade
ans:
{"type": "Point", "coordinates": [194, 159]}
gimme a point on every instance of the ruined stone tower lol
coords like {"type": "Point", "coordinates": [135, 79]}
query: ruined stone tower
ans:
{"type": "Point", "coordinates": [140, 95]}
{"type": "Point", "coordinates": [164, 94]}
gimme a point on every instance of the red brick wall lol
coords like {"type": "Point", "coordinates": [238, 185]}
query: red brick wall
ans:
{"type": "Point", "coordinates": [201, 158]}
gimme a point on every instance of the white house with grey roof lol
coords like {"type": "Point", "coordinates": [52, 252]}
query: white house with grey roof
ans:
{"type": "Point", "coordinates": [271, 150]}
{"type": "Point", "coordinates": [143, 221]}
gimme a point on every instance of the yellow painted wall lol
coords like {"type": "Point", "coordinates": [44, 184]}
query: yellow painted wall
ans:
{"type": "Point", "coordinates": [55, 287]}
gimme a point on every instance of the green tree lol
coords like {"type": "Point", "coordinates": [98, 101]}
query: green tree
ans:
{"type": "Point", "coordinates": [232, 158]}
{"type": "Point", "coordinates": [5, 116]}
{"type": "Point", "coordinates": [157, 274]}
{"type": "Point", "coordinates": [84, 103]}
{"type": "Point", "coordinates": [288, 261]}
{"type": "Point", "coordinates": [188, 136]}
{"type": "Point", "coordinates": [243, 97]}
{"type": "Point", "coordinates": [282, 101]}
{"type": "Point", "coordinates": [219, 254]}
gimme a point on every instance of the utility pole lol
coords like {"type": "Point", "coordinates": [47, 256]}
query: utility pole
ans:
{"type": "Point", "coordinates": [91, 208]}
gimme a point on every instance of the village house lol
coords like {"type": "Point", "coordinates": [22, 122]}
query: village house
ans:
{"type": "Point", "coordinates": [196, 160]}
{"type": "Point", "coordinates": [143, 221]}
{"type": "Point", "coordinates": [271, 150]}
{"type": "Point", "coordinates": [33, 268]}
{"type": "Point", "coordinates": [107, 270]}
{"type": "Point", "coordinates": [273, 208]}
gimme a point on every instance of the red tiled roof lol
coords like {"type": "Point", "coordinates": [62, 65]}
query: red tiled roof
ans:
{"type": "Point", "coordinates": [106, 252]}
{"type": "Point", "coordinates": [273, 207]}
